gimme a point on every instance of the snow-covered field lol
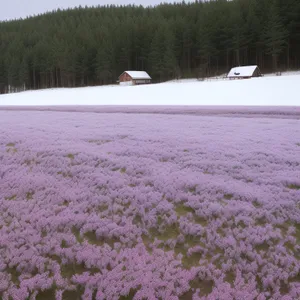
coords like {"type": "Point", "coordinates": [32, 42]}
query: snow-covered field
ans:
{"type": "Point", "coordinates": [265, 91]}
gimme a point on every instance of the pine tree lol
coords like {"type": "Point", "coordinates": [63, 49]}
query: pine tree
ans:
{"type": "Point", "coordinates": [3, 77]}
{"type": "Point", "coordinates": [105, 63]}
{"type": "Point", "coordinates": [170, 65]}
{"type": "Point", "coordinates": [156, 55]}
{"type": "Point", "coordinates": [275, 34]}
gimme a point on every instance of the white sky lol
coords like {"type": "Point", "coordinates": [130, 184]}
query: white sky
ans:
{"type": "Point", "coordinates": [14, 9]}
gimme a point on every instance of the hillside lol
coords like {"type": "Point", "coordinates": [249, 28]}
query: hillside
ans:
{"type": "Point", "coordinates": [265, 91]}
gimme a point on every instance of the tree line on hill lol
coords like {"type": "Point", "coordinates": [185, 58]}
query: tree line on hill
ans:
{"type": "Point", "coordinates": [93, 46]}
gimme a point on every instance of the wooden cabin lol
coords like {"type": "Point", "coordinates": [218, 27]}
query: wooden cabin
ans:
{"type": "Point", "coordinates": [134, 78]}
{"type": "Point", "coordinates": [244, 72]}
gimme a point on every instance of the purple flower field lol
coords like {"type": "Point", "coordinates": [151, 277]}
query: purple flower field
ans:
{"type": "Point", "coordinates": [149, 206]}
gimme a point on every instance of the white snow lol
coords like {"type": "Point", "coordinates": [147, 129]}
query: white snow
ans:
{"type": "Point", "coordinates": [138, 74]}
{"type": "Point", "coordinates": [244, 71]}
{"type": "Point", "coordinates": [263, 91]}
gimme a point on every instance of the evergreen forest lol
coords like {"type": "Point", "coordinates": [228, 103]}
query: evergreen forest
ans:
{"type": "Point", "coordinates": [93, 46]}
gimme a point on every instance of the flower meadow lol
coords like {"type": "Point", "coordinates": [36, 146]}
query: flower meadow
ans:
{"type": "Point", "coordinates": [149, 206]}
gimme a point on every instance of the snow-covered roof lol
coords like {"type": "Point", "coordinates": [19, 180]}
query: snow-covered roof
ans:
{"type": "Point", "coordinates": [138, 74]}
{"type": "Point", "coordinates": [244, 71]}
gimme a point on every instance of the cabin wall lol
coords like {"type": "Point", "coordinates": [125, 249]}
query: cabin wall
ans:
{"type": "Point", "coordinates": [126, 83]}
{"type": "Point", "coordinates": [141, 81]}
{"type": "Point", "coordinates": [125, 77]}
{"type": "Point", "coordinates": [256, 73]}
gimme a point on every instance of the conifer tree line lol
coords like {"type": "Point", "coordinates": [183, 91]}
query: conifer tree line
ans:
{"type": "Point", "coordinates": [93, 46]}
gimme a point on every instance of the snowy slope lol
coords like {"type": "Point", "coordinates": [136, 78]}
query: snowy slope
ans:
{"type": "Point", "coordinates": [266, 91]}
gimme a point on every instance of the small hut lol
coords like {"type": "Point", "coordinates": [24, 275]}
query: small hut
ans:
{"type": "Point", "coordinates": [244, 72]}
{"type": "Point", "coordinates": [134, 78]}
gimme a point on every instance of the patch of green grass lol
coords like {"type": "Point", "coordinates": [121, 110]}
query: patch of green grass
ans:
{"type": "Point", "coordinates": [262, 247]}
{"type": "Point", "coordinates": [123, 170]}
{"type": "Point", "coordinates": [256, 204]}
{"type": "Point", "coordinates": [29, 195]}
{"type": "Point", "coordinates": [169, 232]}
{"type": "Point", "coordinates": [210, 255]}
{"type": "Point", "coordinates": [200, 220]}
{"type": "Point", "coordinates": [44, 233]}
{"type": "Point", "coordinates": [102, 208]}
{"type": "Point", "coordinates": [71, 156]}
{"type": "Point", "coordinates": [99, 142]}
{"type": "Point", "coordinates": [55, 258]}
{"type": "Point", "coordinates": [179, 249]}
{"type": "Point", "coordinates": [63, 244]}
{"type": "Point", "coordinates": [94, 240]}
{"type": "Point", "coordinates": [193, 241]}
{"type": "Point", "coordinates": [244, 256]}
{"type": "Point", "coordinates": [10, 145]}
{"type": "Point", "coordinates": [221, 231]}
{"type": "Point", "coordinates": [11, 148]}
{"type": "Point", "coordinates": [72, 295]}
{"type": "Point", "coordinates": [147, 240]}
{"type": "Point", "coordinates": [259, 283]}
{"type": "Point", "coordinates": [191, 261]}
{"type": "Point", "coordinates": [223, 203]}
{"type": "Point", "coordinates": [46, 295]}
{"type": "Point", "coordinates": [297, 226]}
{"type": "Point", "coordinates": [296, 278]}
{"type": "Point", "coordinates": [65, 174]}
{"type": "Point", "coordinates": [241, 224]}
{"type": "Point", "coordinates": [14, 275]}
{"type": "Point", "coordinates": [130, 296]}
{"type": "Point", "coordinates": [294, 186]}
{"type": "Point", "coordinates": [11, 198]}
{"type": "Point", "coordinates": [228, 196]}
{"type": "Point", "coordinates": [289, 246]}
{"type": "Point", "coordinates": [68, 270]}
{"type": "Point", "coordinates": [182, 210]}
{"type": "Point", "coordinates": [230, 277]}
{"type": "Point", "coordinates": [76, 233]}
{"type": "Point", "coordinates": [192, 189]}
{"type": "Point", "coordinates": [205, 286]}
{"type": "Point", "coordinates": [98, 164]}
{"type": "Point", "coordinates": [101, 188]}
{"type": "Point", "coordinates": [187, 295]}
{"type": "Point", "coordinates": [137, 220]}
{"type": "Point", "coordinates": [159, 220]}
{"type": "Point", "coordinates": [164, 159]}
{"type": "Point", "coordinates": [207, 172]}
{"type": "Point", "coordinates": [260, 221]}
{"type": "Point", "coordinates": [65, 203]}
{"type": "Point", "coordinates": [284, 288]}
{"type": "Point", "coordinates": [30, 162]}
